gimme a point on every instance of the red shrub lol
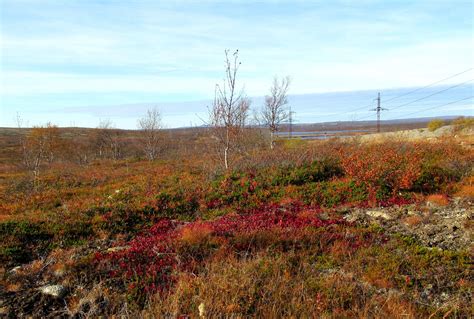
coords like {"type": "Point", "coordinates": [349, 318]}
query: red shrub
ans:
{"type": "Point", "coordinates": [150, 260]}
{"type": "Point", "coordinates": [154, 258]}
{"type": "Point", "coordinates": [383, 167]}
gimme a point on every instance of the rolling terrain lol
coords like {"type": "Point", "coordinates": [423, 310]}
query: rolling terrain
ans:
{"type": "Point", "coordinates": [331, 228]}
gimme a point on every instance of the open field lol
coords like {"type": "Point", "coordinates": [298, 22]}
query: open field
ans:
{"type": "Point", "coordinates": [329, 229]}
{"type": "Point", "coordinates": [236, 159]}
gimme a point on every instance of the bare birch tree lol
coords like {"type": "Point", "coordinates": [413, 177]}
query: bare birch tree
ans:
{"type": "Point", "coordinates": [274, 111]}
{"type": "Point", "coordinates": [34, 152]}
{"type": "Point", "coordinates": [229, 112]}
{"type": "Point", "coordinates": [107, 141]}
{"type": "Point", "coordinates": [53, 141]}
{"type": "Point", "coordinates": [150, 126]}
{"type": "Point", "coordinates": [40, 145]}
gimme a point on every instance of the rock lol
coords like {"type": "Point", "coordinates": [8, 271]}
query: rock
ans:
{"type": "Point", "coordinates": [117, 248]}
{"type": "Point", "coordinates": [323, 216]}
{"type": "Point", "coordinates": [57, 291]}
{"type": "Point", "coordinates": [448, 227]}
{"type": "Point", "coordinates": [354, 217]}
{"type": "Point", "coordinates": [457, 200]}
{"type": "Point", "coordinates": [430, 230]}
{"type": "Point", "coordinates": [15, 270]}
{"type": "Point", "coordinates": [378, 214]}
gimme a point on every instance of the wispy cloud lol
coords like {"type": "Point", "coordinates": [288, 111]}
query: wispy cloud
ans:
{"type": "Point", "coordinates": [75, 51]}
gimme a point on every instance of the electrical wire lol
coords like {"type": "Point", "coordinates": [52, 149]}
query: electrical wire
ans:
{"type": "Point", "coordinates": [435, 93]}
{"type": "Point", "coordinates": [438, 106]}
{"type": "Point", "coordinates": [427, 86]}
{"type": "Point", "coordinates": [405, 94]}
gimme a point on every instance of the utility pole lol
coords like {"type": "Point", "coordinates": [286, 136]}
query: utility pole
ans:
{"type": "Point", "coordinates": [290, 129]}
{"type": "Point", "coordinates": [378, 109]}
{"type": "Point", "coordinates": [290, 120]}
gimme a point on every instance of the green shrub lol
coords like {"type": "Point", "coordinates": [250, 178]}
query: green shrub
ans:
{"type": "Point", "coordinates": [19, 239]}
{"type": "Point", "coordinates": [435, 124]}
{"type": "Point", "coordinates": [333, 193]}
{"type": "Point", "coordinates": [317, 171]}
{"type": "Point", "coordinates": [434, 178]}
{"type": "Point", "coordinates": [177, 204]}
{"type": "Point", "coordinates": [293, 143]}
{"type": "Point", "coordinates": [238, 188]}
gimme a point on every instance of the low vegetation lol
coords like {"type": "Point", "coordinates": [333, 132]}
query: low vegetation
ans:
{"type": "Point", "coordinates": [463, 123]}
{"type": "Point", "coordinates": [268, 238]}
{"type": "Point", "coordinates": [435, 124]}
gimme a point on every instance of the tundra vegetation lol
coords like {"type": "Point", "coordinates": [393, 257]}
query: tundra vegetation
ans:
{"type": "Point", "coordinates": [268, 237]}
{"type": "Point", "coordinates": [212, 222]}
{"type": "Point", "coordinates": [435, 124]}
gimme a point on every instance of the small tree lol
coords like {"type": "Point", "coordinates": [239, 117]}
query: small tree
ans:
{"type": "Point", "coordinates": [79, 149]}
{"type": "Point", "coordinates": [41, 145]}
{"type": "Point", "coordinates": [53, 142]}
{"type": "Point", "coordinates": [150, 126]}
{"type": "Point", "coordinates": [229, 111]}
{"type": "Point", "coordinates": [34, 151]}
{"type": "Point", "coordinates": [107, 141]}
{"type": "Point", "coordinates": [274, 110]}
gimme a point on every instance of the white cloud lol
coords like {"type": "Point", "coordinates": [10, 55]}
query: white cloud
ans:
{"type": "Point", "coordinates": [176, 49]}
{"type": "Point", "coordinates": [46, 83]}
{"type": "Point", "coordinates": [400, 67]}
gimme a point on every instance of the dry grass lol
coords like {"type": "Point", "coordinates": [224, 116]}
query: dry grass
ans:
{"type": "Point", "coordinates": [466, 191]}
{"type": "Point", "coordinates": [466, 188]}
{"type": "Point", "coordinates": [196, 235]}
{"type": "Point", "coordinates": [438, 200]}
{"type": "Point", "coordinates": [276, 287]}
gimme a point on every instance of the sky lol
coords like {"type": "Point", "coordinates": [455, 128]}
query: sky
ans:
{"type": "Point", "coordinates": [77, 62]}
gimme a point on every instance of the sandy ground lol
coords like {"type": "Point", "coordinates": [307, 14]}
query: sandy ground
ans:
{"type": "Point", "coordinates": [465, 136]}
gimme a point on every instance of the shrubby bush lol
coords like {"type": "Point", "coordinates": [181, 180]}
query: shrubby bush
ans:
{"type": "Point", "coordinates": [435, 124]}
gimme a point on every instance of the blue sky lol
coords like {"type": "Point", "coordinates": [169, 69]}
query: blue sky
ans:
{"type": "Point", "coordinates": [76, 62]}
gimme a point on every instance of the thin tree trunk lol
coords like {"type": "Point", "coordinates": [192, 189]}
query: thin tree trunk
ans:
{"type": "Point", "coordinates": [225, 158]}
{"type": "Point", "coordinates": [271, 141]}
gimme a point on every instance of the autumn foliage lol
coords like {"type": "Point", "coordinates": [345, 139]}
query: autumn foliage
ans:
{"type": "Point", "coordinates": [165, 236]}
{"type": "Point", "coordinates": [153, 258]}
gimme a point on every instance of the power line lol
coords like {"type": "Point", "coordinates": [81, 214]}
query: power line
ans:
{"type": "Point", "coordinates": [405, 94]}
{"type": "Point", "coordinates": [429, 85]}
{"type": "Point", "coordinates": [435, 93]}
{"type": "Point", "coordinates": [350, 111]}
{"type": "Point", "coordinates": [427, 109]}
{"type": "Point", "coordinates": [370, 116]}
{"type": "Point", "coordinates": [438, 106]}
{"type": "Point", "coordinates": [363, 118]}
{"type": "Point", "coordinates": [418, 89]}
